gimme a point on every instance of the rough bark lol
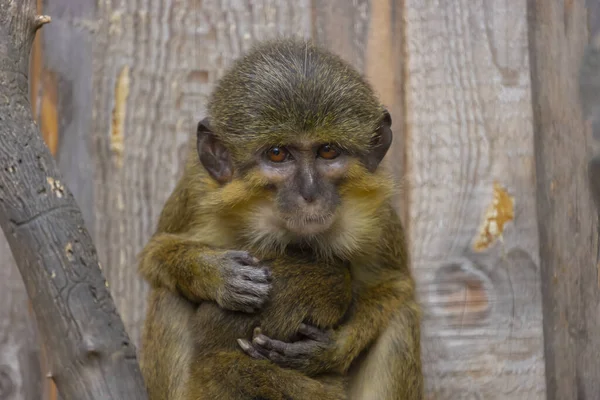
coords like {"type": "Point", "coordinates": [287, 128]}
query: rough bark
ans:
{"type": "Point", "coordinates": [89, 351]}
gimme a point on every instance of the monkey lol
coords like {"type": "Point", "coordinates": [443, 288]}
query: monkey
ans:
{"type": "Point", "coordinates": [283, 174]}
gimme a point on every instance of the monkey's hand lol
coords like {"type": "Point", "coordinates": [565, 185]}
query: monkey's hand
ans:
{"type": "Point", "coordinates": [312, 354]}
{"type": "Point", "coordinates": [233, 279]}
{"type": "Point", "coordinates": [244, 285]}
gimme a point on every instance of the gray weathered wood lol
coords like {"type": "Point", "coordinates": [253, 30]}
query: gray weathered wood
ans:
{"type": "Point", "coordinates": [20, 373]}
{"type": "Point", "coordinates": [456, 76]}
{"type": "Point", "coordinates": [67, 57]}
{"type": "Point", "coordinates": [469, 151]}
{"type": "Point", "coordinates": [567, 217]}
{"type": "Point", "coordinates": [90, 354]}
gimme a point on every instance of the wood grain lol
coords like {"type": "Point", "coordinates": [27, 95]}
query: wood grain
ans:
{"type": "Point", "coordinates": [89, 351]}
{"type": "Point", "coordinates": [469, 141]}
{"type": "Point", "coordinates": [20, 369]}
{"type": "Point", "coordinates": [342, 26]}
{"type": "Point", "coordinates": [568, 220]}
{"type": "Point", "coordinates": [43, 89]}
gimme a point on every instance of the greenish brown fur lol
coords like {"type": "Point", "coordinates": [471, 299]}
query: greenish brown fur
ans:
{"type": "Point", "coordinates": [304, 291]}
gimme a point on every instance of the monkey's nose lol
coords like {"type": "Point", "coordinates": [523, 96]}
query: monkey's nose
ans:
{"type": "Point", "coordinates": [308, 193]}
{"type": "Point", "coordinates": [308, 197]}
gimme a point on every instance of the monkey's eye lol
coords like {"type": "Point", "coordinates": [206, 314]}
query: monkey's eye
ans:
{"type": "Point", "coordinates": [328, 152]}
{"type": "Point", "coordinates": [277, 154]}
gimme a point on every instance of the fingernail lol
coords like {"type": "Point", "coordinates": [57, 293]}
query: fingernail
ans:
{"type": "Point", "coordinates": [255, 260]}
{"type": "Point", "coordinates": [243, 344]}
{"type": "Point", "coordinates": [256, 332]}
{"type": "Point", "coordinates": [260, 340]}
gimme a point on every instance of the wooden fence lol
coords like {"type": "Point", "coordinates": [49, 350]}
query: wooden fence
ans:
{"type": "Point", "coordinates": [490, 152]}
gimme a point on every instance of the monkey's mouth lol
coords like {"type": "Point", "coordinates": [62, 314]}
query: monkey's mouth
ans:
{"type": "Point", "coordinates": [308, 225]}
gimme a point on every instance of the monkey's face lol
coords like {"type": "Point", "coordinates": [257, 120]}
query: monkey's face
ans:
{"type": "Point", "coordinates": [304, 177]}
{"type": "Point", "coordinates": [294, 141]}
{"type": "Point", "coordinates": [302, 188]}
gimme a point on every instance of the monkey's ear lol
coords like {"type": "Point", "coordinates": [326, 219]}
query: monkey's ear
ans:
{"type": "Point", "coordinates": [213, 155]}
{"type": "Point", "coordinates": [381, 143]}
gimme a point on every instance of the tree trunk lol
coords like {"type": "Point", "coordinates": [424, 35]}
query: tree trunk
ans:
{"type": "Point", "coordinates": [89, 352]}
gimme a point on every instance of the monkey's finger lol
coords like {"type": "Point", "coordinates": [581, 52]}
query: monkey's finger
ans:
{"type": "Point", "coordinates": [312, 332]}
{"type": "Point", "coordinates": [268, 343]}
{"type": "Point", "coordinates": [272, 345]}
{"type": "Point", "coordinates": [252, 301]}
{"type": "Point", "coordinates": [255, 274]}
{"type": "Point", "coordinates": [243, 257]}
{"type": "Point", "coordinates": [240, 302]}
{"type": "Point", "coordinates": [262, 353]}
{"type": "Point", "coordinates": [251, 351]}
{"type": "Point", "coordinates": [248, 288]}
{"type": "Point", "coordinates": [258, 351]}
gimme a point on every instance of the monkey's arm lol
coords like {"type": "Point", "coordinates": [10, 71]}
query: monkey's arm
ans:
{"type": "Point", "coordinates": [386, 322]}
{"type": "Point", "coordinates": [335, 350]}
{"type": "Point", "coordinates": [199, 272]}
{"type": "Point", "coordinates": [384, 306]}
{"type": "Point", "coordinates": [391, 368]}
{"type": "Point", "coordinates": [375, 309]}
{"type": "Point", "coordinates": [167, 341]}
{"type": "Point", "coordinates": [178, 259]}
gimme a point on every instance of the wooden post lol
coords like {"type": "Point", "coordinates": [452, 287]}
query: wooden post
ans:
{"type": "Point", "coordinates": [89, 352]}
{"type": "Point", "coordinates": [567, 219]}
{"type": "Point", "coordinates": [472, 204]}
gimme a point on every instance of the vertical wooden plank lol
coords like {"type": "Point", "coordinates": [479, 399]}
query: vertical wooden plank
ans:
{"type": "Point", "coordinates": [568, 219]}
{"type": "Point", "coordinates": [66, 95]}
{"type": "Point", "coordinates": [593, 17]}
{"type": "Point", "coordinates": [155, 62]}
{"type": "Point", "coordinates": [342, 26]}
{"type": "Point", "coordinates": [473, 232]}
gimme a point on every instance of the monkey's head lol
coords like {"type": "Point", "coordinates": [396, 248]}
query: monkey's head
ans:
{"type": "Point", "coordinates": [292, 143]}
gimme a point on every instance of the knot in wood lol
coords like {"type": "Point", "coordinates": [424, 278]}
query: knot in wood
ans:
{"type": "Point", "coordinates": [91, 347]}
{"type": "Point", "coordinates": [462, 292]}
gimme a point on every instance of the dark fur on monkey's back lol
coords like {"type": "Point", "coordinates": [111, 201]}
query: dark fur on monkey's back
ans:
{"type": "Point", "coordinates": [288, 87]}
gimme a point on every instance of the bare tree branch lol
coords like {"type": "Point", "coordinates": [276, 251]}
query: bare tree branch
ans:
{"type": "Point", "coordinates": [90, 354]}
